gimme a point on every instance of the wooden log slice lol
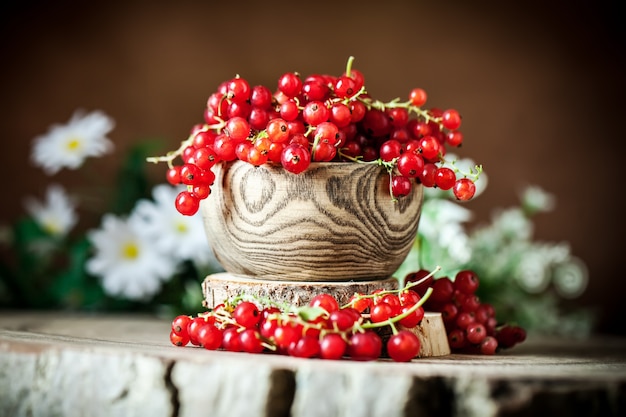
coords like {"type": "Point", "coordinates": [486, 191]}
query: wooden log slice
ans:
{"type": "Point", "coordinates": [219, 287]}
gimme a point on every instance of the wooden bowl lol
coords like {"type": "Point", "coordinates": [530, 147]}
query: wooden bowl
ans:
{"type": "Point", "coordinates": [333, 222]}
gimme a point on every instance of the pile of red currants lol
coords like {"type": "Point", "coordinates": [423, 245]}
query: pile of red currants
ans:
{"type": "Point", "coordinates": [367, 328]}
{"type": "Point", "coordinates": [319, 118]}
{"type": "Point", "coordinates": [471, 325]}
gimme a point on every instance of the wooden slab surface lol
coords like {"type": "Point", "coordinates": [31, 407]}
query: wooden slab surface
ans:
{"type": "Point", "coordinates": [94, 365]}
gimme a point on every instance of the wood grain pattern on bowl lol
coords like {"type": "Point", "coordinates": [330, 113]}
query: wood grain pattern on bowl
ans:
{"type": "Point", "coordinates": [333, 222]}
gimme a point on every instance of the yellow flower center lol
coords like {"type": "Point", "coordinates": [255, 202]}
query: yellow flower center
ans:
{"type": "Point", "coordinates": [51, 226]}
{"type": "Point", "coordinates": [130, 251]}
{"type": "Point", "coordinates": [73, 144]}
{"type": "Point", "coordinates": [181, 228]}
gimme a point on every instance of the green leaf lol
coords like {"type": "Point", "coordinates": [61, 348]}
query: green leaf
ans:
{"type": "Point", "coordinates": [309, 313]}
{"type": "Point", "coordinates": [132, 181]}
{"type": "Point", "coordinates": [73, 287]}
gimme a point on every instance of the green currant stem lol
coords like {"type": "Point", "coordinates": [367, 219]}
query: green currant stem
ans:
{"type": "Point", "coordinates": [349, 66]}
{"type": "Point", "coordinates": [473, 174]}
{"type": "Point", "coordinates": [399, 290]}
{"type": "Point", "coordinates": [394, 329]}
{"type": "Point", "coordinates": [396, 103]}
{"type": "Point", "coordinates": [399, 316]}
{"type": "Point", "coordinates": [171, 155]}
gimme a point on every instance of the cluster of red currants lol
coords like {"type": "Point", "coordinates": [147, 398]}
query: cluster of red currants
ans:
{"type": "Point", "coordinates": [320, 118]}
{"type": "Point", "coordinates": [322, 329]}
{"type": "Point", "coordinates": [471, 325]}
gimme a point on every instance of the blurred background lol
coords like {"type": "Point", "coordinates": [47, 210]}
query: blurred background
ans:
{"type": "Point", "coordinates": [540, 86]}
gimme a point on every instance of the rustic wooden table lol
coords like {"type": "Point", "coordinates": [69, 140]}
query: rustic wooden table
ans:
{"type": "Point", "coordinates": [54, 364]}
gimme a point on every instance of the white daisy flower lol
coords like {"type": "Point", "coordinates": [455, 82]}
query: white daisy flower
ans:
{"type": "Point", "coordinates": [571, 278]}
{"type": "Point", "coordinates": [129, 263]}
{"type": "Point", "coordinates": [181, 236]}
{"type": "Point", "coordinates": [67, 146]}
{"type": "Point", "coordinates": [535, 199]}
{"type": "Point", "coordinates": [512, 223]}
{"type": "Point", "coordinates": [440, 224]}
{"type": "Point", "coordinates": [57, 214]}
{"type": "Point", "coordinates": [532, 271]}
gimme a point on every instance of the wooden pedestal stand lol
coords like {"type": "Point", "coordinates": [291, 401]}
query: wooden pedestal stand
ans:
{"type": "Point", "coordinates": [218, 287]}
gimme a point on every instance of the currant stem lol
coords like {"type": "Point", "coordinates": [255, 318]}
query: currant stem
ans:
{"type": "Point", "coordinates": [399, 317]}
{"type": "Point", "coordinates": [172, 155]}
{"type": "Point", "coordinates": [349, 66]}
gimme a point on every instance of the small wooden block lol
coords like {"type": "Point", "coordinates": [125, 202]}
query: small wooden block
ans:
{"type": "Point", "coordinates": [219, 287]}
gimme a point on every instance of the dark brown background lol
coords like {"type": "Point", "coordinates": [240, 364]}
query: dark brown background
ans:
{"type": "Point", "coordinates": [541, 89]}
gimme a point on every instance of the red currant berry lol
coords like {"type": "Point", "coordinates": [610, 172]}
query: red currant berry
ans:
{"type": "Point", "coordinates": [179, 339]}
{"type": "Point", "coordinates": [454, 138]}
{"type": "Point", "coordinates": [418, 97]}
{"type": "Point", "coordinates": [381, 312]}
{"type": "Point", "coordinates": [315, 88]}
{"type": "Point", "coordinates": [489, 345]}
{"type": "Point", "coordinates": [261, 97]}
{"type": "Point", "coordinates": [376, 123]}
{"type": "Point", "coordinates": [445, 178]}
{"type": "Point", "coordinates": [205, 158]}
{"type": "Point", "coordinates": [189, 174]}
{"type": "Point", "coordinates": [408, 297]}
{"type": "Point", "coordinates": [237, 128]}
{"type": "Point", "coordinates": [464, 189]}
{"type": "Point", "coordinates": [251, 341]}
{"type": "Point", "coordinates": [475, 333]}
{"type": "Point", "coordinates": [413, 319]}
{"type": "Point", "coordinates": [390, 150]}
{"type": "Point", "coordinates": [509, 335]}
{"type": "Point", "coordinates": [305, 347]}
{"type": "Point", "coordinates": [341, 319]}
{"type": "Point", "coordinates": [238, 90]}
{"type": "Point", "coordinates": [247, 314]}
{"type": "Point", "coordinates": [325, 301]}
{"type": "Point", "coordinates": [340, 115]}
{"type": "Point", "coordinates": [290, 84]}
{"type": "Point", "coordinates": [187, 203]}
{"type": "Point", "coordinates": [456, 339]}
{"type": "Point", "coordinates": [173, 175]}
{"type": "Point", "coordinates": [449, 312]}
{"type": "Point", "coordinates": [315, 112]}
{"type": "Point", "coordinates": [193, 328]}
{"type": "Point", "coordinates": [180, 324]}
{"type": "Point", "coordinates": [443, 289]}
{"type": "Point", "coordinates": [398, 116]}
{"type": "Point", "coordinates": [464, 319]}
{"type": "Point", "coordinates": [451, 119]}
{"type": "Point", "coordinates": [466, 281]}
{"type": "Point", "coordinates": [345, 87]}
{"type": "Point", "coordinates": [427, 177]}
{"type": "Point", "coordinates": [429, 147]}
{"type": "Point", "coordinates": [295, 158]}
{"type": "Point", "coordinates": [365, 346]}
{"type": "Point", "coordinates": [403, 346]}
{"type": "Point", "coordinates": [230, 340]}
{"type": "Point", "coordinates": [284, 336]}
{"type": "Point", "coordinates": [359, 303]}
{"type": "Point", "coordinates": [400, 186]}
{"type": "Point", "coordinates": [410, 165]}
{"type": "Point", "coordinates": [332, 346]}
{"type": "Point", "coordinates": [209, 336]}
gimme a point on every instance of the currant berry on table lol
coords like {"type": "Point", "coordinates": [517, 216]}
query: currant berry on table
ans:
{"type": "Point", "coordinates": [319, 118]}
